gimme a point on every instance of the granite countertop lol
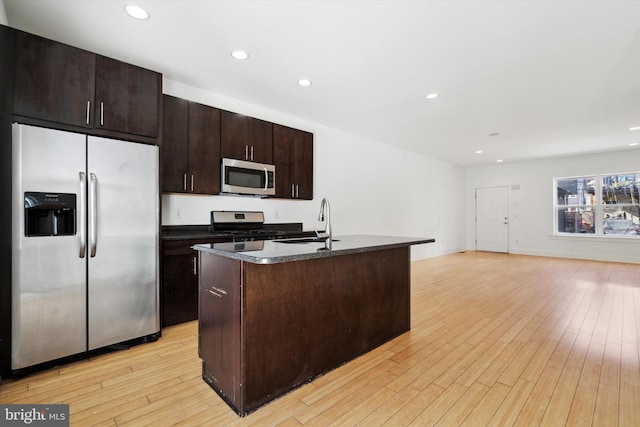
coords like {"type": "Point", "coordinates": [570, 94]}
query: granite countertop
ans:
{"type": "Point", "coordinates": [189, 232]}
{"type": "Point", "coordinates": [274, 251]}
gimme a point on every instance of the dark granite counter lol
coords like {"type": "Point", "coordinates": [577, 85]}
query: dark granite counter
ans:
{"type": "Point", "coordinates": [191, 232]}
{"type": "Point", "coordinates": [274, 251]}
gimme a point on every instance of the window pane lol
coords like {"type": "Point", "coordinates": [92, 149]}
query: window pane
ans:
{"type": "Point", "coordinates": [576, 220]}
{"type": "Point", "coordinates": [621, 220]}
{"type": "Point", "coordinates": [576, 191]}
{"type": "Point", "coordinates": [618, 189]}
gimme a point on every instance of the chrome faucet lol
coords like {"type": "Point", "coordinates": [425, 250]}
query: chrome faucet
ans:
{"type": "Point", "coordinates": [325, 216]}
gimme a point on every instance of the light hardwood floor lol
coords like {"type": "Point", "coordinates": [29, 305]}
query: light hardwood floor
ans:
{"type": "Point", "coordinates": [496, 340]}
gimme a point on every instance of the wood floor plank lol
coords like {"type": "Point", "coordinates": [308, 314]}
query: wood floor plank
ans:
{"type": "Point", "coordinates": [510, 408]}
{"type": "Point", "coordinates": [439, 407]}
{"type": "Point", "coordinates": [496, 340]}
{"type": "Point", "coordinates": [460, 410]}
{"type": "Point", "coordinates": [415, 406]}
{"type": "Point", "coordinates": [487, 407]}
{"type": "Point", "coordinates": [519, 363]}
{"type": "Point", "coordinates": [389, 408]}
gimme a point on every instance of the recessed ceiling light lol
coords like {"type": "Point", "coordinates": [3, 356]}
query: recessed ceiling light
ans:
{"type": "Point", "coordinates": [304, 82]}
{"type": "Point", "coordinates": [499, 161]}
{"type": "Point", "coordinates": [240, 54]}
{"type": "Point", "coordinates": [136, 12]}
{"type": "Point", "coordinates": [479, 152]}
{"type": "Point", "coordinates": [432, 96]}
{"type": "Point", "coordinates": [635, 128]}
{"type": "Point", "coordinates": [633, 144]}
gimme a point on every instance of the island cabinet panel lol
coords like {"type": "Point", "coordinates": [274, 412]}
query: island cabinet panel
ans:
{"type": "Point", "coordinates": [219, 328]}
{"type": "Point", "coordinates": [293, 158]}
{"type": "Point", "coordinates": [246, 138]}
{"type": "Point", "coordinates": [299, 319]}
{"type": "Point", "coordinates": [63, 87]}
{"type": "Point", "coordinates": [190, 152]}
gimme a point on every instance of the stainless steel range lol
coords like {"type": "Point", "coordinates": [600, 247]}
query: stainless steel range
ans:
{"type": "Point", "coordinates": [244, 226]}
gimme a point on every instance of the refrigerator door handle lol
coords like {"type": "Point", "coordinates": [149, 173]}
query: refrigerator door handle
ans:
{"type": "Point", "coordinates": [93, 214]}
{"type": "Point", "coordinates": [83, 215]}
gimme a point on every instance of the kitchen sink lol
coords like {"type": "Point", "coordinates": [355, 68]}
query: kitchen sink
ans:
{"type": "Point", "coordinates": [305, 240]}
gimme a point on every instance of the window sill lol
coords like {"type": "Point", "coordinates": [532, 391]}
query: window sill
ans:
{"type": "Point", "coordinates": [605, 238]}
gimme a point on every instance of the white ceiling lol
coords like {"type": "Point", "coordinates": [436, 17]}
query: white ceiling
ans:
{"type": "Point", "coordinates": [553, 78]}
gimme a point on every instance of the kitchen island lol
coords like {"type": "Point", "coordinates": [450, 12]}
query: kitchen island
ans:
{"type": "Point", "coordinates": [273, 315]}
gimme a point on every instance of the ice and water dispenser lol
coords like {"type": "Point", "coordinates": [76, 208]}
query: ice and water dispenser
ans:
{"type": "Point", "coordinates": [49, 214]}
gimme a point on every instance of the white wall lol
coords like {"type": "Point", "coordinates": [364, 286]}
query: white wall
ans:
{"type": "Point", "coordinates": [3, 14]}
{"type": "Point", "coordinates": [373, 188]}
{"type": "Point", "coordinates": [531, 206]}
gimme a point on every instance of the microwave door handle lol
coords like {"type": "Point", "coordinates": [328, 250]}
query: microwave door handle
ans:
{"type": "Point", "coordinates": [266, 179]}
{"type": "Point", "coordinates": [83, 215]}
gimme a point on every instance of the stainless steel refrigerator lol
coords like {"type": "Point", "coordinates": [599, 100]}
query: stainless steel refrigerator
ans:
{"type": "Point", "coordinates": [85, 243]}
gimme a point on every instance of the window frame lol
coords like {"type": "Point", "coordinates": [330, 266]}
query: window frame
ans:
{"type": "Point", "coordinates": [598, 208]}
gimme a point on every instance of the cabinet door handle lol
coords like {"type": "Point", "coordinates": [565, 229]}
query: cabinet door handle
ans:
{"type": "Point", "coordinates": [102, 114]}
{"type": "Point", "coordinates": [195, 266]}
{"type": "Point", "coordinates": [192, 183]}
{"type": "Point", "coordinates": [184, 182]}
{"type": "Point", "coordinates": [246, 152]}
{"type": "Point", "coordinates": [88, 109]}
{"type": "Point", "coordinates": [252, 153]}
{"type": "Point", "coordinates": [297, 191]}
{"type": "Point", "coordinates": [293, 191]}
{"type": "Point", "coordinates": [214, 293]}
{"type": "Point", "coordinates": [217, 291]}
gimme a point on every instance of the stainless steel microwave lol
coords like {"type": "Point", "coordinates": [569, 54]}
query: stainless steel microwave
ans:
{"type": "Point", "coordinates": [242, 177]}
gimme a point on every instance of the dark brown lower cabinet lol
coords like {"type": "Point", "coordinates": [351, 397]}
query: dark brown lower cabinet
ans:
{"type": "Point", "coordinates": [179, 285]}
{"type": "Point", "coordinates": [266, 329]}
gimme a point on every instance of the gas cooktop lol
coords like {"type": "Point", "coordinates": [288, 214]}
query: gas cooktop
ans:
{"type": "Point", "coordinates": [243, 225]}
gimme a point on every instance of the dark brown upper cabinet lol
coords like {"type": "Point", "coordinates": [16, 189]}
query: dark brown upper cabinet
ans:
{"type": "Point", "coordinates": [293, 158]}
{"type": "Point", "coordinates": [53, 81]}
{"type": "Point", "coordinates": [127, 98]}
{"type": "Point", "coordinates": [190, 151]}
{"type": "Point", "coordinates": [61, 86]}
{"type": "Point", "coordinates": [246, 138]}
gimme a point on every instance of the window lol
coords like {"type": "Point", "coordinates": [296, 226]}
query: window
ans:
{"type": "Point", "coordinates": [600, 205]}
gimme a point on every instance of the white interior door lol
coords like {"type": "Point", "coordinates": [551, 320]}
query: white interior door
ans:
{"type": "Point", "coordinates": [492, 219]}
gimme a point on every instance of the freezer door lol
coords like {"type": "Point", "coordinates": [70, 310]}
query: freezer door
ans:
{"type": "Point", "coordinates": [48, 272]}
{"type": "Point", "coordinates": [123, 241]}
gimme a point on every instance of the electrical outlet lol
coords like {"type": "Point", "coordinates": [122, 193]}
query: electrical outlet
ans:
{"type": "Point", "coordinates": [277, 213]}
{"type": "Point", "coordinates": [178, 213]}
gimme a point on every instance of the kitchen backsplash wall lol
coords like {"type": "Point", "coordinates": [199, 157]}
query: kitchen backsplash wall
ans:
{"type": "Point", "coordinates": [373, 188]}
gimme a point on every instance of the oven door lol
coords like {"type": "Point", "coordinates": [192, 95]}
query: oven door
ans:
{"type": "Point", "coordinates": [242, 177]}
